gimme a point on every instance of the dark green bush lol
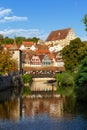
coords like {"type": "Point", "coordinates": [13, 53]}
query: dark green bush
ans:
{"type": "Point", "coordinates": [81, 82]}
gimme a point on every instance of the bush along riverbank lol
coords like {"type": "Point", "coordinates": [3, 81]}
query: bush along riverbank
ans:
{"type": "Point", "coordinates": [64, 81]}
{"type": "Point", "coordinates": [65, 84]}
{"type": "Point", "coordinates": [27, 79]}
{"type": "Point", "coordinates": [81, 82]}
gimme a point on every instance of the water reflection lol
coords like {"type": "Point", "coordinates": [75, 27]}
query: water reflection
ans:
{"type": "Point", "coordinates": [81, 109]}
{"type": "Point", "coordinates": [6, 95]}
{"type": "Point", "coordinates": [53, 107]}
{"type": "Point", "coordinates": [45, 113]}
{"type": "Point", "coordinates": [9, 110]}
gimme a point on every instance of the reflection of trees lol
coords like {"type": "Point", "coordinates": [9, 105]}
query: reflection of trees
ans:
{"type": "Point", "coordinates": [69, 105]}
{"type": "Point", "coordinates": [81, 109]}
{"type": "Point", "coordinates": [9, 110]}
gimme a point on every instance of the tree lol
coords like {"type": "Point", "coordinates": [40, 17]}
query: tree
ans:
{"type": "Point", "coordinates": [1, 38]}
{"type": "Point", "coordinates": [6, 62]}
{"type": "Point", "coordinates": [71, 54]}
{"type": "Point", "coordinates": [81, 81]}
{"type": "Point", "coordinates": [8, 40]}
{"type": "Point", "coordinates": [34, 39]}
{"type": "Point", "coordinates": [85, 21]}
{"type": "Point", "coordinates": [19, 40]}
{"type": "Point", "coordinates": [65, 79]}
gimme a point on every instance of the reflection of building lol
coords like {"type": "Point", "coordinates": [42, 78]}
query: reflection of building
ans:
{"type": "Point", "coordinates": [39, 84]}
{"type": "Point", "coordinates": [52, 107]}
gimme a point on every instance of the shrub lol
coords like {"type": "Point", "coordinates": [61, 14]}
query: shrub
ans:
{"type": "Point", "coordinates": [81, 81]}
{"type": "Point", "coordinates": [27, 78]}
{"type": "Point", "coordinates": [65, 79]}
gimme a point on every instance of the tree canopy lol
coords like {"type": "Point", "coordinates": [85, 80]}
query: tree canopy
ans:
{"type": "Point", "coordinates": [19, 40]}
{"type": "Point", "coordinates": [81, 81]}
{"type": "Point", "coordinates": [7, 64]}
{"type": "Point", "coordinates": [85, 21]}
{"type": "Point", "coordinates": [73, 53]}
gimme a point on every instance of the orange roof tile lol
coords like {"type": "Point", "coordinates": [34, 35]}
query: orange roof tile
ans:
{"type": "Point", "coordinates": [8, 46]}
{"type": "Point", "coordinates": [42, 51]}
{"type": "Point", "coordinates": [27, 44]}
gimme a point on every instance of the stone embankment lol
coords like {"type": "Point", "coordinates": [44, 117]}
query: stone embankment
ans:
{"type": "Point", "coordinates": [5, 82]}
{"type": "Point", "coordinates": [8, 81]}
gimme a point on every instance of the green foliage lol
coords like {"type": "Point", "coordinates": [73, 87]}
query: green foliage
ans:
{"type": "Point", "coordinates": [67, 91]}
{"type": "Point", "coordinates": [6, 62]}
{"type": "Point", "coordinates": [8, 40]}
{"type": "Point", "coordinates": [73, 54]}
{"type": "Point", "coordinates": [85, 21]}
{"type": "Point", "coordinates": [34, 39]}
{"type": "Point", "coordinates": [1, 39]}
{"type": "Point", "coordinates": [19, 40]}
{"type": "Point", "coordinates": [65, 80]}
{"type": "Point", "coordinates": [26, 91]}
{"type": "Point", "coordinates": [27, 78]}
{"type": "Point", "coordinates": [81, 81]}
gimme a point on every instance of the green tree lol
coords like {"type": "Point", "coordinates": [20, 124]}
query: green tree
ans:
{"type": "Point", "coordinates": [8, 40]}
{"type": "Point", "coordinates": [65, 79]}
{"type": "Point", "coordinates": [34, 39]}
{"type": "Point", "coordinates": [82, 51]}
{"type": "Point", "coordinates": [81, 81]}
{"type": "Point", "coordinates": [27, 78]}
{"type": "Point", "coordinates": [71, 54]}
{"type": "Point", "coordinates": [85, 21]}
{"type": "Point", "coordinates": [19, 40]}
{"type": "Point", "coordinates": [1, 38]}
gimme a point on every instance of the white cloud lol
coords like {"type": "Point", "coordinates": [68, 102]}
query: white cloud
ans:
{"type": "Point", "coordinates": [28, 33]}
{"type": "Point", "coordinates": [5, 16]}
{"type": "Point", "coordinates": [13, 18]}
{"type": "Point", "coordinates": [4, 12]}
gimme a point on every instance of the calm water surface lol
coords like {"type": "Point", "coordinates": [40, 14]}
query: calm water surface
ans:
{"type": "Point", "coordinates": [43, 114]}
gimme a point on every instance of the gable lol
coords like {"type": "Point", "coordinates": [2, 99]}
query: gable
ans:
{"type": "Point", "coordinates": [46, 57]}
{"type": "Point", "coordinates": [35, 58]}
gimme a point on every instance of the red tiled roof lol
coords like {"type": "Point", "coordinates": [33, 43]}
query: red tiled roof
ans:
{"type": "Point", "coordinates": [8, 46]}
{"type": "Point", "coordinates": [58, 34]}
{"type": "Point", "coordinates": [40, 47]}
{"type": "Point", "coordinates": [42, 51]}
{"type": "Point", "coordinates": [51, 56]}
{"type": "Point", "coordinates": [27, 44]}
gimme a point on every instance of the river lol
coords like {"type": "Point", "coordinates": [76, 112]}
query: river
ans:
{"type": "Point", "coordinates": [43, 114]}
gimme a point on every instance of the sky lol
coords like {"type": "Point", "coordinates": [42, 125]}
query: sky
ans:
{"type": "Point", "coordinates": [37, 18]}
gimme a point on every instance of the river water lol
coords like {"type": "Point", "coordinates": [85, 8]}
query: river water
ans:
{"type": "Point", "coordinates": [43, 114]}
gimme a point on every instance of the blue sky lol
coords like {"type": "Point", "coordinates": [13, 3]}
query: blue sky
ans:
{"type": "Point", "coordinates": [37, 18]}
